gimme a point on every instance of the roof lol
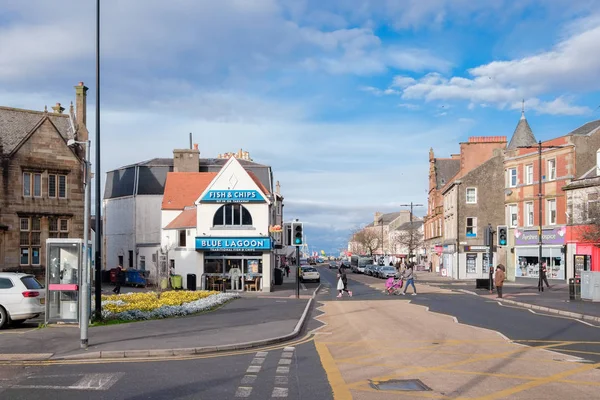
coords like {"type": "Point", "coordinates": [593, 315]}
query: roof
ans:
{"type": "Point", "coordinates": [16, 124]}
{"type": "Point", "coordinates": [445, 170]}
{"type": "Point", "coordinates": [258, 182]}
{"type": "Point", "coordinates": [183, 188]}
{"type": "Point", "coordinates": [473, 172]}
{"type": "Point", "coordinates": [522, 136]}
{"type": "Point", "coordinates": [187, 219]}
{"type": "Point", "coordinates": [204, 162]}
{"type": "Point", "coordinates": [407, 225]}
{"type": "Point", "coordinates": [387, 218]}
{"type": "Point", "coordinates": [586, 129]}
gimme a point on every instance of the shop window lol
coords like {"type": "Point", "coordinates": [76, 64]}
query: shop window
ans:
{"type": "Point", "coordinates": [30, 240]}
{"type": "Point", "coordinates": [471, 231]}
{"type": "Point", "coordinates": [551, 170]}
{"type": "Point", "coordinates": [529, 174]}
{"type": "Point", "coordinates": [551, 209]}
{"type": "Point", "coordinates": [232, 215]}
{"type": "Point", "coordinates": [471, 195]}
{"type": "Point", "coordinates": [182, 238]}
{"type": "Point", "coordinates": [471, 263]}
{"type": "Point", "coordinates": [529, 213]}
{"type": "Point", "coordinates": [512, 177]}
{"type": "Point", "coordinates": [513, 216]}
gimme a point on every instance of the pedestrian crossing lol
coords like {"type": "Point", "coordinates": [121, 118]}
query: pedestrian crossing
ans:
{"type": "Point", "coordinates": [255, 371]}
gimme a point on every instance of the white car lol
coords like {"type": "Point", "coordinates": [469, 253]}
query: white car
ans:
{"type": "Point", "coordinates": [308, 273]}
{"type": "Point", "coordinates": [22, 297]}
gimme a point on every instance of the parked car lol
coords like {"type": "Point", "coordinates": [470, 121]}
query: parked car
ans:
{"type": "Point", "coordinates": [387, 271]}
{"type": "Point", "coordinates": [332, 264]}
{"type": "Point", "coordinates": [309, 274]}
{"type": "Point", "coordinates": [370, 269]}
{"type": "Point", "coordinates": [22, 297]}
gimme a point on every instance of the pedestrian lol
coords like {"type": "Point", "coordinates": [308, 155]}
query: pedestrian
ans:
{"type": "Point", "coordinates": [499, 278]}
{"type": "Point", "coordinates": [118, 280]}
{"type": "Point", "coordinates": [342, 285]}
{"type": "Point", "coordinates": [287, 271]}
{"type": "Point", "coordinates": [430, 266]}
{"type": "Point", "coordinates": [408, 275]}
{"type": "Point", "coordinates": [544, 277]}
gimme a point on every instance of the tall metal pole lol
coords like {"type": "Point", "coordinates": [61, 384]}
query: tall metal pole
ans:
{"type": "Point", "coordinates": [98, 228]}
{"type": "Point", "coordinates": [412, 233]}
{"type": "Point", "coordinates": [297, 272]}
{"type": "Point", "coordinates": [84, 301]}
{"type": "Point", "coordinates": [540, 214]}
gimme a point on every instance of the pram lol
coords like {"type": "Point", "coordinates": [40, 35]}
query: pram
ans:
{"type": "Point", "coordinates": [393, 285]}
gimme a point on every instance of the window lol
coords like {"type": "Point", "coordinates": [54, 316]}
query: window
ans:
{"type": "Point", "coordinates": [471, 195]}
{"type": "Point", "coordinates": [63, 224]}
{"type": "Point", "coordinates": [130, 259]}
{"type": "Point", "coordinates": [471, 231]}
{"type": "Point", "coordinates": [551, 170]}
{"type": "Point", "coordinates": [182, 238]}
{"type": "Point", "coordinates": [592, 207]}
{"type": "Point", "coordinates": [37, 185]}
{"type": "Point", "coordinates": [30, 240]}
{"type": "Point", "coordinates": [529, 174]}
{"type": "Point", "coordinates": [471, 263]}
{"type": "Point", "coordinates": [551, 217]}
{"type": "Point", "coordinates": [143, 263]}
{"type": "Point", "coordinates": [512, 177]}
{"type": "Point", "coordinates": [27, 184]}
{"type": "Point", "coordinates": [121, 261]}
{"type": "Point", "coordinates": [232, 215]}
{"type": "Point", "coordinates": [513, 215]}
{"type": "Point", "coordinates": [5, 283]}
{"type": "Point", "coordinates": [529, 213]}
{"type": "Point", "coordinates": [57, 186]}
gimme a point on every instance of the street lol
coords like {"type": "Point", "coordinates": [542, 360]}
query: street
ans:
{"type": "Point", "coordinates": [360, 347]}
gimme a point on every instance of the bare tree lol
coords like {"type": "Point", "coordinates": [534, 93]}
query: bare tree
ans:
{"type": "Point", "coordinates": [588, 214]}
{"type": "Point", "coordinates": [409, 237]}
{"type": "Point", "coordinates": [366, 240]}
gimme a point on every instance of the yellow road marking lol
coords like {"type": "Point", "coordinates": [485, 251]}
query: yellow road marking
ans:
{"type": "Point", "coordinates": [412, 394]}
{"type": "Point", "coordinates": [533, 384]}
{"type": "Point", "coordinates": [338, 385]}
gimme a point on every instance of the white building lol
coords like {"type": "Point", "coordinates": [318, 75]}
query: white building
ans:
{"type": "Point", "coordinates": [216, 226]}
{"type": "Point", "coordinates": [133, 198]}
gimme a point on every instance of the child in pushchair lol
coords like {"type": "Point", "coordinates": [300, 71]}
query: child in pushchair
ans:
{"type": "Point", "coordinates": [393, 285]}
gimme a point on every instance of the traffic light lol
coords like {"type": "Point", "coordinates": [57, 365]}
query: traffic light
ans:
{"type": "Point", "coordinates": [287, 234]}
{"type": "Point", "coordinates": [502, 235]}
{"type": "Point", "coordinates": [297, 234]}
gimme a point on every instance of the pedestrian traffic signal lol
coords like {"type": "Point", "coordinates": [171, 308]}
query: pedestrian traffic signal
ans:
{"type": "Point", "coordinates": [502, 235]}
{"type": "Point", "coordinates": [298, 234]}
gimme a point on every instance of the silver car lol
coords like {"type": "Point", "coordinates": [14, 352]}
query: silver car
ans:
{"type": "Point", "coordinates": [387, 272]}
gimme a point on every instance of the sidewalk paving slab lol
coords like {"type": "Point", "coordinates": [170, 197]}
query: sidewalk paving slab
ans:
{"type": "Point", "coordinates": [242, 323]}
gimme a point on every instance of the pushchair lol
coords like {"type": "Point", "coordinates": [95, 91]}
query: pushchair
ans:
{"type": "Point", "coordinates": [393, 285]}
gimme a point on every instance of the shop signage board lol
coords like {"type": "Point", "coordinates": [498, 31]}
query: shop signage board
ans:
{"type": "Point", "coordinates": [232, 196]}
{"type": "Point", "coordinates": [233, 243]}
{"type": "Point", "coordinates": [549, 236]}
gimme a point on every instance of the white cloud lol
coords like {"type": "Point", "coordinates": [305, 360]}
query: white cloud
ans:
{"type": "Point", "coordinates": [402, 81]}
{"type": "Point", "coordinates": [409, 106]}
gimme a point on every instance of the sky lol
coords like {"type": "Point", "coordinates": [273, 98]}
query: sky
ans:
{"type": "Point", "coordinates": [342, 98]}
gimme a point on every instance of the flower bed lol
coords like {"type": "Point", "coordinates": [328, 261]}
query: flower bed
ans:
{"type": "Point", "coordinates": [152, 305]}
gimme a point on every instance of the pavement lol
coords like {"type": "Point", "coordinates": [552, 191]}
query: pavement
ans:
{"type": "Point", "coordinates": [254, 320]}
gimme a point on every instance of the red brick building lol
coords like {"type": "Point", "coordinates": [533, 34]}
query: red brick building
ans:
{"type": "Point", "coordinates": [41, 181]}
{"type": "Point", "coordinates": [570, 155]}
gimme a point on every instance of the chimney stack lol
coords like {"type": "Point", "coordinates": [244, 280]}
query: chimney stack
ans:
{"type": "Point", "coordinates": [81, 104]}
{"type": "Point", "coordinates": [377, 219]}
{"type": "Point", "coordinates": [186, 160]}
{"type": "Point", "coordinates": [58, 108]}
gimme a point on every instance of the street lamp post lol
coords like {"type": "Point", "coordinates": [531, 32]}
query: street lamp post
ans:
{"type": "Point", "coordinates": [411, 205]}
{"type": "Point", "coordinates": [84, 300]}
{"type": "Point", "coordinates": [540, 202]}
{"type": "Point", "coordinates": [98, 230]}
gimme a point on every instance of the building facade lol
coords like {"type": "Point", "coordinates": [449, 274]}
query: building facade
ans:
{"type": "Point", "coordinates": [217, 227]}
{"type": "Point", "coordinates": [561, 159]}
{"type": "Point", "coordinates": [41, 181]}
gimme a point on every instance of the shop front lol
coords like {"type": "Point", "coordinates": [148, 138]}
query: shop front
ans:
{"type": "Point", "coordinates": [447, 267]}
{"type": "Point", "coordinates": [476, 261]}
{"type": "Point", "coordinates": [527, 253]}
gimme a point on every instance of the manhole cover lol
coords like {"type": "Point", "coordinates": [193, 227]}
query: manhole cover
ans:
{"type": "Point", "coordinates": [409, 385]}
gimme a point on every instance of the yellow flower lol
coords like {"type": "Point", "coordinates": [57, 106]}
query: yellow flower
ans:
{"type": "Point", "coordinates": [149, 301]}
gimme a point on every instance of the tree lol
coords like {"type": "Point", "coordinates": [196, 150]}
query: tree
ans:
{"type": "Point", "coordinates": [409, 237]}
{"type": "Point", "coordinates": [365, 240]}
{"type": "Point", "coordinates": [588, 213]}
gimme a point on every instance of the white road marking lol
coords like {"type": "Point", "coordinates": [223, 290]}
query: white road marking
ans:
{"type": "Point", "coordinates": [280, 392]}
{"type": "Point", "coordinates": [257, 361]}
{"type": "Point", "coordinates": [303, 287]}
{"type": "Point", "coordinates": [253, 369]}
{"type": "Point", "coordinates": [261, 354]}
{"type": "Point", "coordinates": [563, 317]}
{"type": "Point", "coordinates": [287, 355]}
{"type": "Point", "coordinates": [284, 361]}
{"type": "Point", "coordinates": [283, 370]}
{"type": "Point", "coordinates": [248, 379]}
{"type": "Point", "coordinates": [289, 348]}
{"type": "Point", "coordinates": [281, 380]}
{"type": "Point", "coordinates": [243, 391]}
{"type": "Point", "coordinates": [87, 382]}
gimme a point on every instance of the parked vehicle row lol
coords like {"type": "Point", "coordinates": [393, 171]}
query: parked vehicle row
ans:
{"type": "Point", "coordinates": [381, 271]}
{"type": "Point", "coordinates": [22, 297]}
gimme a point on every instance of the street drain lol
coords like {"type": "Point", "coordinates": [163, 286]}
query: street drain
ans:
{"type": "Point", "coordinates": [409, 385]}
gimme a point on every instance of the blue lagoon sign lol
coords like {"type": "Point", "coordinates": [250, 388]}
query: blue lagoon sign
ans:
{"type": "Point", "coordinates": [232, 196]}
{"type": "Point", "coordinates": [233, 244]}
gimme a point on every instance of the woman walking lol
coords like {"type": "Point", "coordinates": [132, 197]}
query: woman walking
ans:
{"type": "Point", "coordinates": [410, 279]}
{"type": "Point", "coordinates": [342, 285]}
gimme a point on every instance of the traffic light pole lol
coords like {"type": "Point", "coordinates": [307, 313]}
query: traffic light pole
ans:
{"type": "Point", "coordinates": [491, 256]}
{"type": "Point", "coordinates": [297, 272]}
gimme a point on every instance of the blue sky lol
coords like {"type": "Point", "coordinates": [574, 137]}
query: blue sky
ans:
{"type": "Point", "coordinates": [343, 98]}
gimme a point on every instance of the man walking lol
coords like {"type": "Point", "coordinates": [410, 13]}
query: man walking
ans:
{"type": "Point", "coordinates": [342, 282]}
{"type": "Point", "coordinates": [499, 278]}
{"type": "Point", "coordinates": [119, 279]}
{"type": "Point", "coordinates": [544, 277]}
{"type": "Point", "coordinates": [408, 275]}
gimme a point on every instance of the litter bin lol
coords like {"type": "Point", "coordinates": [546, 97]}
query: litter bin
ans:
{"type": "Point", "coordinates": [176, 281]}
{"type": "Point", "coordinates": [482, 284]}
{"type": "Point", "coordinates": [191, 281]}
{"type": "Point", "coordinates": [278, 276]}
{"type": "Point", "coordinates": [575, 288]}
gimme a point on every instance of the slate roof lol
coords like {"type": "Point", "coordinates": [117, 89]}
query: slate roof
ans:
{"type": "Point", "coordinates": [387, 218]}
{"type": "Point", "coordinates": [187, 219]}
{"type": "Point", "coordinates": [445, 170]}
{"type": "Point", "coordinates": [586, 129]}
{"type": "Point", "coordinates": [182, 189]}
{"type": "Point", "coordinates": [522, 136]}
{"type": "Point", "coordinates": [407, 225]}
{"type": "Point", "coordinates": [16, 124]}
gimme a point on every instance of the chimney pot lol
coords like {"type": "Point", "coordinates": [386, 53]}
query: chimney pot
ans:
{"type": "Point", "coordinates": [195, 146]}
{"type": "Point", "coordinates": [80, 83]}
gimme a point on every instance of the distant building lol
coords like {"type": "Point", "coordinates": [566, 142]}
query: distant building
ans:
{"type": "Point", "coordinates": [41, 181]}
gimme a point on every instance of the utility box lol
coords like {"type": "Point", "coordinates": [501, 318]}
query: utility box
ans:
{"type": "Point", "coordinates": [590, 286]}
